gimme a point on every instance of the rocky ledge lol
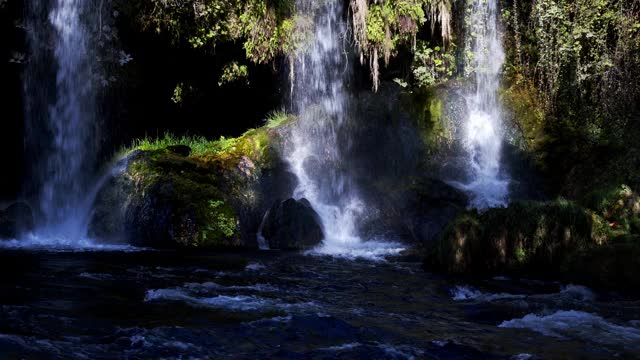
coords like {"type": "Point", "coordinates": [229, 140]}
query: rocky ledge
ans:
{"type": "Point", "coordinates": [595, 242]}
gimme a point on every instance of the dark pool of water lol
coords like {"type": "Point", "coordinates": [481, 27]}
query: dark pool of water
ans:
{"type": "Point", "coordinates": [139, 305]}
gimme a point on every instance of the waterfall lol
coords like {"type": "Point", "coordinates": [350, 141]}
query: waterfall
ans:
{"type": "Point", "coordinates": [483, 132]}
{"type": "Point", "coordinates": [60, 113]}
{"type": "Point", "coordinates": [320, 137]}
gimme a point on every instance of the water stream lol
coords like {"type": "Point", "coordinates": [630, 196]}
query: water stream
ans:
{"type": "Point", "coordinates": [65, 114]}
{"type": "Point", "coordinates": [483, 132]}
{"type": "Point", "coordinates": [320, 137]}
{"type": "Point", "coordinates": [166, 305]}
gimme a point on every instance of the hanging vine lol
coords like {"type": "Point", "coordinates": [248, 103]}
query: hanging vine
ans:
{"type": "Point", "coordinates": [380, 27]}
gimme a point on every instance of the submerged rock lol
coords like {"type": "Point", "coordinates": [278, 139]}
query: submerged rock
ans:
{"type": "Point", "coordinates": [293, 225]}
{"type": "Point", "coordinates": [15, 220]}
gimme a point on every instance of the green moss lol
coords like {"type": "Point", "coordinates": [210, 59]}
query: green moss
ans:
{"type": "Point", "coordinates": [618, 204]}
{"type": "Point", "coordinates": [427, 108]}
{"type": "Point", "coordinates": [525, 235]}
{"type": "Point", "coordinates": [200, 214]}
{"type": "Point", "coordinates": [197, 197]}
{"type": "Point", "coordinates": [219, 222]}
{"type": "Point", "coordinates": [527, 113]}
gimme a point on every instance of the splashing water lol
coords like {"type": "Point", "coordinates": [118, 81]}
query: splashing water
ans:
{"type": "Point", "coordinates": [483, 134]}
{"type": "Point", "coordinates": [61, 118]}
{"type": "Point", "coordinates": [320, 136]}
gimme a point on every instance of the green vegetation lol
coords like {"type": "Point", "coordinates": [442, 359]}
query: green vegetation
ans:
{"type": "Point", "coordinates": [574, 65]}
{"type": "Point", "coordinates": [199, 213]}
{"type": "Point", "coordinates": [198, 196]}
{"type": "Point", "coordinates": [233, 72]}
{"type": "Point", "coordinates": [199, 145]}
{"type": "Point", "coordinates": [381, 28]}
{"type": "Point", "coordinates": [277, 118]}
{"type": "Point", "coordinates": [266, 28]}
{"type": "Point", "coordinates": [595, 242]}
{"type": "Point", "coordinates": [433, 65]}
{"type": "Point", "coordinates": [524, 235]}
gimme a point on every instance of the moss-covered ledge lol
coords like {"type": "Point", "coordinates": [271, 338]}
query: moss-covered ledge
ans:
{"type": "Point", "coordinates": [555, 240]}
{"type": "Point", "coordinates": [191, 192]}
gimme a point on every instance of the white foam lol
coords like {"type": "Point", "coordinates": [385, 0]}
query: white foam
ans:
{"type": "Point", "coordinates": [254, 267]}
{"type": "Point", "coordinates": [342, 347]}
{"type": "Point", "coordinates": [464, 293]}
{"type": "Point", "coordinates": [523, 356]}
{"type": "Point", "coordinates": [371, 250]}
{"type": "Point", "coordinates": [216, 286]}
{"type": "Point", "coordinates": [578, 292]}
{"type": "Point", "coordinates": [578, 325]}
{"type": "Point", "coordinates": [400, 352]}
{"type": "Point", "coordinates": [95, 276]}
{"type": "Point", "coordinates": [60, 244]}
{"type": "Point", "coordinates": [235, 303]}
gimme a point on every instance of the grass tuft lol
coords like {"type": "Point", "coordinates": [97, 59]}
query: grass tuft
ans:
{"type": "Point", "coordinates": [276, 118]}
{"type": "Point", "coordinates": [199, 144]}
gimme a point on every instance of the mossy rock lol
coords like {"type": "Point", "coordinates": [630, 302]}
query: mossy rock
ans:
{"type": "Point", "coordinates": [435, 111]}
{"type": "Point", "coordinates": [619, 205]}
{"type": "Point", "coordinates": [209, 198]}
{"type": "Point", "coordinates": [530, 239]}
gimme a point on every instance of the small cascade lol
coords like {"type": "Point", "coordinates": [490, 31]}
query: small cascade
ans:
{"type": "Point", "coordinates": [321, 137]}
{"type": "Point", "coordinates": [483, 132]}
{"type": "Point", "coordinates": [263, 244]}
{"type": "Point", "coordinates": [60, 99]}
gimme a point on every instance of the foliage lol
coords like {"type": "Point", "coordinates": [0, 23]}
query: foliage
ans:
{"type": "Point", "coordinates": [220, 224]}
{"type": "Point", "coordinates": [199, 145]}
{"type": "Point", "coordinates": [233, 72]}
{"type": "Point", "coordinates": [277, 118]}
{"type": "Point", "coordinates": [553, 240]}
{"type": "Point", "coordinates": [433, 65]}
{"type": "Point", "coordinates": [541, 239]}
{"type": "Point", "coordinates": [266, 28]}
{"type": "Point", "coordinates": [619, 205]}
{"type": "Point", "coordinates": [381, 27]}
{"type": "Point", "coordinates": [580, 59]}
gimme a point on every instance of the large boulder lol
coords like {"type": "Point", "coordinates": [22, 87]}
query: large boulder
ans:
{"type": "Point", "coordinates": [15, 220]}
{"type": "Point", "coordinates": [174, 198]}
{"type": "Point", "coordinates": [292, 225]}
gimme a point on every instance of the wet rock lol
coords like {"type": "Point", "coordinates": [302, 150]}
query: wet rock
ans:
{"type": "Point", "coordinates": [434, 206]}
{"type": "Point", "coordinates": [15, 220]}
{"type": "Point", "coordinates": [216, 199]}
{"type": "Point", "coordinates": [293, 225]}
{"type": "Point", "coordinates": [182, 150]}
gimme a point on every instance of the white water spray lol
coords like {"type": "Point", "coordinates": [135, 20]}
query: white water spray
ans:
{"type": "Point", "coordinates": [483, 133]}
{"type": "Point", "coordinates": [320, 136]}
{"type": "Point", "coordinates": [65, 115]}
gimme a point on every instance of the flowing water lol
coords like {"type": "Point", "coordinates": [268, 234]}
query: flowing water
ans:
{"type": "Point", "coordinates": [168, 305]}
{"type": "Point", "coordinates": [64, 113]}
{"type": "Point", "coordinates": [320, 137]}
{"type": "Point", "coordinates": [483, 132]}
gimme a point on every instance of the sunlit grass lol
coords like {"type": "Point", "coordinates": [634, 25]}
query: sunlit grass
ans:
{"type": "Point", "coordinates": [276, 118]}
{"type": "Point", "coordinates": [199, 145]}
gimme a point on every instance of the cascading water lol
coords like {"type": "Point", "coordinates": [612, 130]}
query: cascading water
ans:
{"type": "Point", "coordinates": [61, 118]}
{"type": "Point", "coordinates": [320, 136]}
{"type": "Point", "coordinates": [483, 133]}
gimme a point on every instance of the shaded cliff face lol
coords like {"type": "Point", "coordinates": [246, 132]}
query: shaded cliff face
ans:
{"type": "Point", "coordinates": [12, 48]}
